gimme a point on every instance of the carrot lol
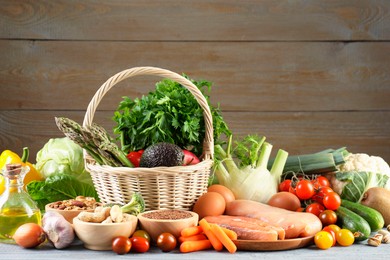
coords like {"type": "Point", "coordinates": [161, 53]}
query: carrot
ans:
{"type": "Point", "coordinates": [192, 246]}
{"type": "Point", "coordinates": [191, 231]}
{"type": "Point", "coordinates": [230, 233]}
{"type": "Point", "coordinates": [217, 245]}
{"type": "Point", "coordinates": [192, 238]}
{"type": "Point", "coordinates": [225, 240]}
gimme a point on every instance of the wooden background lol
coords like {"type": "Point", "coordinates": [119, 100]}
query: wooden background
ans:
{"type": "Point", "coordinates": [308, 74]}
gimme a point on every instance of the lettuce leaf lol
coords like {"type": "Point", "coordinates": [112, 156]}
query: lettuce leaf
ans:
{"type": "Point", "coordinates": [356, 183]}
{"type": "Point", "coordinates": [59, 187]}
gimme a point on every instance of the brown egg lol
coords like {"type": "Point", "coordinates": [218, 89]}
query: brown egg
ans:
{"type": "Point", "coordinates": [210, 204]}
{"type": "Point", "coordinates": [285, 200]}
{"type": "Point", "coordinates": [224, 191]}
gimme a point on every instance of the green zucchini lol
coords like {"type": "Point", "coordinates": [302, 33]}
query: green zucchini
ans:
{"type": "Point", "coordinates": [372, 216]}
{"type": "Point", "coordinates": [353, 222]}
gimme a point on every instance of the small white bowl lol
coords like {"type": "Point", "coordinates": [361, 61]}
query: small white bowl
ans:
{"type": "Point", "coordinates": [155, 227]}
{"type": "Point", "coordinates": [99, 236]}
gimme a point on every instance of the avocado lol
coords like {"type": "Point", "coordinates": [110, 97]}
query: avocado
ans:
{"type": "Point", "coordinates": [162, 154]}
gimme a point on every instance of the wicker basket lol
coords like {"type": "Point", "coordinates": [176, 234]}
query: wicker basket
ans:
{"type": "Point", "coordinates": [161, 187]}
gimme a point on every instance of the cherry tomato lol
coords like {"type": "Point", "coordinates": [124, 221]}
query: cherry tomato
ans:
{"type": "Point", "coordinates": [166, 242]}
{"type": "Point", "coordinates": [315, 208]}
{"type": "Point", "coordinates": [319, 196]}
{"type": "Point", "coordinates": [285, 185]}
{"type": "Point", "coordinates": [335, 228]}
{"type": "Point", "coordinates": [323, 240]}
{"type": "Point", "coordinates": [321, 181]}
{"type": "Point", "coordinates": [332, 201]}
{"type": "Point", "coordinates": [305, 189]}
{"type": "Point", "coordinates": [330, 230]}
{"type": "Point", "coordinates": [139, 244]}
{"type": "Point", "coordinates": [141, 233]}
{"type": "Point", "coordinates": [121, 245]}
{"type": "Point", "coordinates": [345, 237]}
{"type": "Point", "coordinates": [292, 190]}
{"type": "Point", "coordinates": [135, 157]}
{"type": "Point", "coordinates": [300, 209]}
{"type": "Point", "coordinates": [328, 217]}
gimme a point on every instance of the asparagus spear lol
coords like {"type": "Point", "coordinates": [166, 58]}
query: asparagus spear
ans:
{"type": "Point", "coordinates": [95, 140]}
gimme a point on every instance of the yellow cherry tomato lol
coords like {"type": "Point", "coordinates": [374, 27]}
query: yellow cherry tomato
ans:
{"type": "Point", "coordinates": [335, 228]}
{"type": "Point", "coordinates": [323, 240]}
{"type": "Point", "coordinates": [345, 237]}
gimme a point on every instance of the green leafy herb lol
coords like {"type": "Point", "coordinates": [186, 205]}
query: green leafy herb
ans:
{"type": "Point", "coordinates": [170, 114]}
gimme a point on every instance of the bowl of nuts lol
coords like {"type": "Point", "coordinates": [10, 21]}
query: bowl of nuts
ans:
{"type": "Point", "coordinates": [97, 229]}
{"type": "Point", "coordinates": [73, 207]}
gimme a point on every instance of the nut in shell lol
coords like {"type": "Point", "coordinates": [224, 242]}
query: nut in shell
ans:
{"type": "Point", "coordinates": [386, 236]}
{"type": "Point", "coordinates": [375, 240]}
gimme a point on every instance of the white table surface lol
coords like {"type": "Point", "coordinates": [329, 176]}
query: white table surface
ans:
{"type": "Point", "coordinates": [78, 252]}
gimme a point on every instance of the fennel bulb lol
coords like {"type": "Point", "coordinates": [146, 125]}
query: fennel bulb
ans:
{"type": "Point", "coordinates": [250, 179]}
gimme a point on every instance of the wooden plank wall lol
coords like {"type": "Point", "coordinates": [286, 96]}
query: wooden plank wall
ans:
{"type": "Point", "coordinates": [308, 74]}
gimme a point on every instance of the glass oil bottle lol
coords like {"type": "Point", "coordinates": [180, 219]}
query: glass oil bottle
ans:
{"type": "Point", "coordinates": [16, 206]}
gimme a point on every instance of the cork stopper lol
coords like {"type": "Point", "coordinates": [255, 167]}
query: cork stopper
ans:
{"type": "Point", "coordinates": [13, 169]}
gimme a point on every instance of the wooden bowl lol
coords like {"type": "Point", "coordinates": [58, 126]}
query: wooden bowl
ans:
{"type": "Point", "coordinates": [155, 227]}
{"type": "Point", "coordinates": [69, 215]}
{"type": "Point", "coordinates": [98, 236]}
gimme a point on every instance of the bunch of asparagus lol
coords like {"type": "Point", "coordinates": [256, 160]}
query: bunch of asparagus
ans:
{"type": "Point", "coordinates": [95, 140]}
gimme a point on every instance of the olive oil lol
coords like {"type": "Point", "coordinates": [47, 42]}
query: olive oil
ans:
{"type": "Point", "coordinates": [16, 206]}
{"type": "Point", "coordinates": [12, 218]}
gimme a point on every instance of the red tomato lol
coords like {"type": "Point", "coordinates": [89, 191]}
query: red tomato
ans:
{"type": "Point", "coordinates": [135, 157]}
{"type": "Point", "coordinates": [139, 244]}
{"type": "Point", "coordinates": [304, 189]}
{"type": "Point", "coordinates": [292, 190]}
{"type": "Point", "coordinates": [285, 185]}
{"type": "Point", "coordinates": [319, 196]}
{"type": "Point", "coordinates": [121, 245]}
{"type": "Point", "coordinates": [315, 208]}
{"type": "Point", "coordinates": [320, 181]}
{"type": "Point", "coordinates": [331, 231]}
{"type": "Point", "coordinates": [328, 217]}
{"type": "Point", "coordinates": [332, 201]}
{"type": "Point", "coordinates": [166, 242]}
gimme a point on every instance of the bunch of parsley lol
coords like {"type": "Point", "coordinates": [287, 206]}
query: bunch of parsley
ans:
{"type": "Point", "coordinates": [170, 114]}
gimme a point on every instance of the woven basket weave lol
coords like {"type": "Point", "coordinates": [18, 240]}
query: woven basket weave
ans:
{"type": "Point", "coordinates": [161, 187]}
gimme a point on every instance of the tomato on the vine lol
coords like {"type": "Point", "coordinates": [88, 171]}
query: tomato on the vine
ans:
{"type": "Point", "coordinates": [305, 189]}
{"type": "Point", "coordinates": [315, 208]}
{"type": "Point", "coordinates": [321, 181]}
{"type": "Point", "coordinates": [285, 185]}
{"type": "Point", "coordinates": [328, 217]}
{"type": "Point", "coordinates": [320, 194]}
{"type": "Point", "coordinates": [292, 190]}
{"type": "Point", "coordinates": [332, 201]}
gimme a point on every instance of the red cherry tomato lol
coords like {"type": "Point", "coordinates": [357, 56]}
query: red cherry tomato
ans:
{"type": "Point", "coordinates": [121, 245]}
{"type": "Point", "coordinates": [320, 181]}
{"type": "Point", "coordinates": [285, 185]}
{"type": "Point", "coordinates": [141, 233]}
{"type": "Point", "coordinates": [139, 244]}
{"type": "Point", "coordinates": [315, 208]}
{"type": "Point", "coordinates": [135, 157]}
{"type": "Point", "coordinates": [319, 196]}
{"type": "Point", "coordinates": [332, 201]}
{"type": "Point", "coordinates": [305, 189]}
{"type": "Point", "coordinates": [292, 190]}
{"type": "Point", "coordinates": [166, 242]}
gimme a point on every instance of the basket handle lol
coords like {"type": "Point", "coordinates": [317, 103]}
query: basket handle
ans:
{"type": "Point", "coordinates": [208, 142]}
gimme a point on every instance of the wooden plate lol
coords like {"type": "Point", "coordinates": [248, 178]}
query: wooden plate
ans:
{"type": "Point", "coordinates": [257, 245]}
